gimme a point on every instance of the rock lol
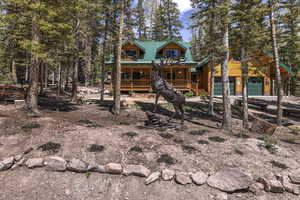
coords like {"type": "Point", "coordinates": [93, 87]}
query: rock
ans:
{"type": "Point", "coordinates": [152, 178]}
{"type": "Point", "coordinates": [230, 180]}
{"type": "Point", "coordinates": [265, 183]}
{"type": "Point", "coordinates": [167, 174]}
{"type": "Point", "coordinates": [256, 188]}
{"type": "Point", "coordinates": [7, 163]}
{"type": "Point", "coordinates": [18, 157]}
{"type": "Point", "coordinates": [276, 186]}
{"type": "Point", "coordinates": [19, 104]}
{"type": "Point", "coordinates": [296, 189]}
{"type": "Point", "coordinates": [263, 127]}
{"type": "Point", "coordinates": [289, 162]}
{"type": "Point", "coordinates": [113, 168]}
{"type": "Point", "coordinates": [77, 165]}
{"type": "Point", "coordinates": [96, 168]}
{"type": "Point", "coordinates": [55, 163]}
{"type": "Point", "coordinates": [221, 196]}
{"type": "Point", "coordinates": [199, 178]}
{"type": "Point", "coordinates": [34, 162]}
{"type": "Point", "coordinates": [183, 178]}
{"type": "Point", "coordinates": [295, 179]}
{"type": "Point", "coordinates": [285, 181]}
{"type": "Point", "coordinates": [136, 170]}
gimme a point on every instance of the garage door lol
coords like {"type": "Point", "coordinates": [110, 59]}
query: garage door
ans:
{"type": "Point", "coordinates": [218, 85]}
{"type": "Point", "coordinates": [255, 86]}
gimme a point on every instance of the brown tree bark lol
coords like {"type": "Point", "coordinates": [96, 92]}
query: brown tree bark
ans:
{"type": "Point", "coordinates": [117, 93]}
{"type": "Point", "coordinates": [46, 75]}
{"type": "Point", "coordinates": [76, 63]}
{"type": "Point", "coordinates": [14, 76]}
{"type": "Point", "coordinates": [276, 58]}
{"type": "Point", "coordinates": [244, 86]}
{"type": "Point", "coordinates": [212, 88]}
{"type": "Point", "coordinates": [103, 58]}
{"type": "Point", "coordinates": [227, 121]}
{"type": "Point", "coordinates": [32, 95]}
{"type": "Point", "coordinates": [59, 80]}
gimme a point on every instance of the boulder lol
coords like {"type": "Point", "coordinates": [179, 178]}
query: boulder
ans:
{"type": "Point", "coordinates": [276, 186]}
{"type": "Point", "coordinates": [167, 174]}
{"type": "Point", "coordinates": [230, 180]}
{"type": "Point", "coordinates": [96, 168]}
{"type": "Point", "coordinates": [152, 178]}
{"type": "Point", "coordinates": [18, 157]}
{"type": "Point", "coordinates": [7, 163]}
{"type": "Point", "coordinates": [221, 196]}
{"type": "Point", "coordinates": [256, 188]}
{"type": "Point", "coordinates": [34, 162]}
{"type": "Point", "coordinates": [77, 165]}
{"type": "Point", "coordinates": [183, 178]}
{"type": "Point", "coordinates": [285, 181]}
{"type": "Point", "coordinates": [55, 163]}
{"type": "Point", "coordinates": [296, 189]}
{"type": "Point", "coordinates": [199, 178]}
{"type": "Point", "coordinates": [295, 179]}
{"type": "Point", "coordinates": [113, 168]}
{"type": "Point", "coordinates": [265, 182]}
{"type": "Point", "coordinates": [136, 170]}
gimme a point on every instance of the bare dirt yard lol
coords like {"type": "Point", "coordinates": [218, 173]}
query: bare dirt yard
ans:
{"type": "Point", "coordinates": [89, 132]}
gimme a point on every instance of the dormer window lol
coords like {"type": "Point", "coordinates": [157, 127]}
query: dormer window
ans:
{"type": "Point", "coordinates": [130, 54]}
{"type": "Point", "coordinates": [172, 53]}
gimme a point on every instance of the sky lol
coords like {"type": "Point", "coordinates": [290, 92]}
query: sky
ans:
{"type": "Point", "coordinates": [186, 10]}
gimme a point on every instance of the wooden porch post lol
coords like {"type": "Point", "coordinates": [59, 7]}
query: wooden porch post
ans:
{"type": "Point", "coordinates": [171, 75]}
{"type": "Point", "coordinates": [131, 75]}
{"type": "Point", "coordinates": [189, 79]}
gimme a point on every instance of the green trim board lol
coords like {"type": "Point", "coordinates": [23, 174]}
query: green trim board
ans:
{"type": "Point", "coordinates": [281, 64]}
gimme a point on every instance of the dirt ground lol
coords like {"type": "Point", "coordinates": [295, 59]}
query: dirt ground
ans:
{"type": "Point", "coordinates": [90, 132]}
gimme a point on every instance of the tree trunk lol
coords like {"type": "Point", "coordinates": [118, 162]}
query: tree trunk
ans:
{"type": "Point", "coordinates": [117, 96]}
{"type": "Point", "coordinates": [53, 77]}
{"type": "Point", "coordinates": [76, 63]}
{"type": "Point", "coordinates": [32, 95]}
{"type": "Point", "coordinates": [67, 79]}
{"type": "Point", "coordinates": [244, 85]}
{"type": "Point", "coordinates": [227, 121]}
{"type": "Point", "coordinates": [14, 76]}
{"type": "Point", "coordinates": [103, 59]}
{"type": "Point", "coordinates": [27, 73]}
{"type": "Point", "coordinates": [41, 74]}
{"type": "Point", "coordinates": [276, 58]}
{"type": "Point", "coordinates": [46, 75]}
{"type": "Point", "coordinates": [212, 88]}
{"type": "Point", "coordinates": [59, 80]}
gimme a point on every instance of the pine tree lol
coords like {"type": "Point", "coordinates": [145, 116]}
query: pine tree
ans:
{"type": "Point", "coordinates": [289, 40]}
{"type": "Point", "coordinates": [141, 21]}
{"type": "Point", "coordinates": [166, 22]}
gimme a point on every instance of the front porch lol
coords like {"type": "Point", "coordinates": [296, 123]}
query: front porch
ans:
{"type": "Point", "coordinates": [139, 79]}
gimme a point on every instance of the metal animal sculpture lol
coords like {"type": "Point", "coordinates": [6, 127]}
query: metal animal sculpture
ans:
{"type": "Point", "coordinates": [162, 88]}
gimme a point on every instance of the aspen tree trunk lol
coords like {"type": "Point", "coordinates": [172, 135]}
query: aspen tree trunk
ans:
{"type": "Point", "coordinates": [53, 77]}
{"type": "Point", "coordinates": [117, 87]}
{"type": "Point", "coordinates": [26, 73]}
{"type": "Point", "coordinates": [76, 61]}
{"type": "Point", "coordinates": [103, 59]}
{"type": "Point", "coordinates": [244, 85]}
{"type": "Point", "coordinates": [14, 72]}
{"type": "Point", "coordinates": [276, 58]}
{"type": "Point", "coordinates": [32, 95]}
{"type": "Point", "coordinates": [67, 79]}
{"type": "Point", "coordinates": [227, 121]}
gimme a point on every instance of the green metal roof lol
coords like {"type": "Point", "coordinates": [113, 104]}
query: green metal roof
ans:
{"type": "Point", "coordinates": [150, 49]}
{"type": "Point", "coordinates": [281, 64]}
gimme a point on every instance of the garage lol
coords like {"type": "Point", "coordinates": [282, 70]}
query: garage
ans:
{"type": "Point", "coordinates": [218, 85]}
{"type": "Point", "coordinates": [255, 86]}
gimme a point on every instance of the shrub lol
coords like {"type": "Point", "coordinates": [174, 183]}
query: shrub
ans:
{"type": "Point", "coordinates": [189, 94]}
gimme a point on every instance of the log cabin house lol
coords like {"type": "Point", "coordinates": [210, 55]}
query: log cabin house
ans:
{"type": "Point", "coordinates": [190, 75]}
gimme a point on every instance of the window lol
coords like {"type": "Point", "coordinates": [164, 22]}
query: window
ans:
{"type": "Point", "coordinates": [136, 75]}
{"type": "Point", "coordinates": [131, 53]}
{"type": "Point", "coordinates": [125, 76]}
{"type": "Point", "coordinates": [171, 53]}
{"type": "Point", "coordinates": [173, 75]}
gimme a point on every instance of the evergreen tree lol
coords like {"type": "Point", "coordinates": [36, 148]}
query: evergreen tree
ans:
{"type": "Point", "coordinates": [141, 21]}
{"type": "Point", "coordinates": [166, 22]}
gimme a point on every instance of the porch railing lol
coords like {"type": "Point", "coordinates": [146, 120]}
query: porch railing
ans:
{"type": "Point", "coordinates": [177, 83]}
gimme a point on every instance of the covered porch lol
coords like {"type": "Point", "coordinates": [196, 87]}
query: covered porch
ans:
{"type": "Point", "coordinates": [138, 78]}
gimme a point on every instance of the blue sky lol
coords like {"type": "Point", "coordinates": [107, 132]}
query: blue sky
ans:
{"type": "Point", "coordinates": [186, 10]}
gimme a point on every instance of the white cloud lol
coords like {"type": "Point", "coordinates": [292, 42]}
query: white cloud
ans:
{"type": "Point", "coordinates": [183, 5]}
